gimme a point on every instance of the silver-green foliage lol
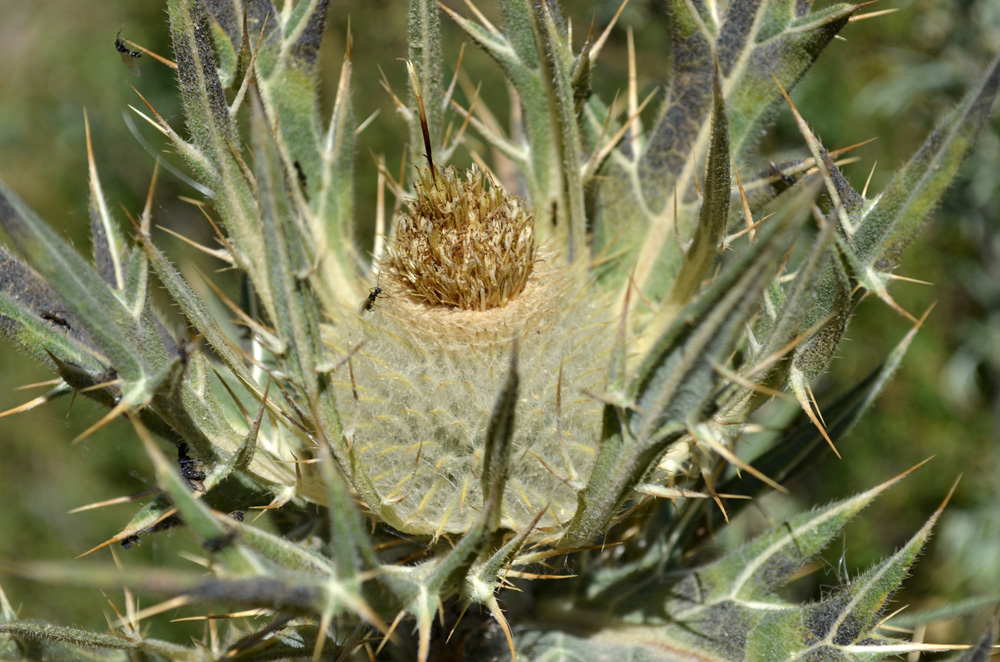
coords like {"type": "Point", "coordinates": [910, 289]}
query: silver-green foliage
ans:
{"type": "Point", "coordinates": [637, 220]}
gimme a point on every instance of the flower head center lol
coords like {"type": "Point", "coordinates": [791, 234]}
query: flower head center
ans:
{"type": "Point", "coordinates": [464, 242]}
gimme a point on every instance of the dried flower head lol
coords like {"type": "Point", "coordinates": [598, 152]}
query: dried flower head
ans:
{"type": "Point", "coordinates": [465, 242]}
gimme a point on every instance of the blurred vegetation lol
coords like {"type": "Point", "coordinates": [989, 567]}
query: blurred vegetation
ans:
{"type": "Point", "coordinates": [892, 79]}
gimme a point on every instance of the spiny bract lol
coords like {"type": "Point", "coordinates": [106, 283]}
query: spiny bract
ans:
{"type": "Point", "coordinates": [547, 378]}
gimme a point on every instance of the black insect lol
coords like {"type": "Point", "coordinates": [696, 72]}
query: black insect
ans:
{"type": "Point", "coordinates": [173, 521]}
{"type": "Point", "coordinates": [303, 180]}
{"type": "Point", "coordinates": [129, 57]}
{"type": "Point", "coordinates": [217, 543]}
{"type": "Point", "coordinates": [190, 469]}
{"type": "Point", "coordinates": [787, 179]}
{"type": "Point", "coordinates": [373, 294]}
{"type": "Point", "coordinates": [51, 316]}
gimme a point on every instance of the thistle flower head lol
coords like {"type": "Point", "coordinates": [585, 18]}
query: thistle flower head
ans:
{"type": "Point", "coordinates": [463, 280]}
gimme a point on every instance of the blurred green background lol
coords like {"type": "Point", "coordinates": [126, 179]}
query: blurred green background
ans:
{"type": "Point", "coordinates": [892, 78]}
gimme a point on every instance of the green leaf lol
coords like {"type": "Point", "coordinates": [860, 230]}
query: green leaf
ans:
{"type": "Point", "coordinates": [318, 166]}
{"type": "Point", "coordinates": [214, 153]}
{"type": "Point", "coordinates": [288, 262]}
{"type": "Point", "coordinates": [891, 221]}
{"type": "Point", "coordinates": [106, 237]}
{"type": "Point", "coordinates": [284, 552]}
{"type": "Point", "coordinates": [333, 206]}
{"type": "Point", "coordinates": [673, 386]}
{"type": "Point", "coordinates": [215, 531]}
{"type": "Point", "coordinates": [814, 288]}
{"type": "Point", "coordinates": [759, 567]}
{"type": "Point", "coordinates": [675, 379]}
{"type": "Point", "coordinates": [205, 106]}
{"type": "Point", "coordinates": [225, 21]}
{"type": "Point", "coordinates": [194, 309]}
{"type": "Point", "coordinates": [714, 207]}
{"type": "Point", "coordinates": [841, 626]}
{"type": "Point", "coordinates": [286, 68]}
{"type": "Point", "coordinates": [351, 546]}
{"type": "Point", "coordinates": [42, 641]}
{"type": "Point", "coordinates": [645, 201]}
{"type": "Point", "coordinates": [858, 608]}
{"type": "Point", "coordinates": [830, 310]}
{"type": "Point", "coordinates": [427, 57]}
{"type": "Point", "coordinates": [803, 444]}
{"type": "Point", "coordinates": [35, 318]}
{"type": "Point", "coordinates": [542, 646]}
{"type": "Point", "coordinates": [297, 592]}
{"type": "Point", "coordinates": [83, 292]}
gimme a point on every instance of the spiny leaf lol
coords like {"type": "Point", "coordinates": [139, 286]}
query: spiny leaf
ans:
{"type": "Point", "coordinates": [671, 388]}
{"type": "Point", "coordinates": [201, 91]}
{"type": "Point", "coordinates": [194, 309]}
{"type": "Point", "coordinates": [714, 212]}
{"type": "Point", "coordinates": [333, 207]}
{"type": "Point", "coordinates": [701, 335]}
{"type": "Point", "coordinates": [82, 290]}
{"type": "Point", "coordinates": [556, 73]}
{"type": "Point", "coordinates": [214, 136]}
{"type": "Point", "coordinates": [35, 318]}
{"type": "Point", "coordinates": [205, 524]}
{"type": "Point", "coordinates": [427, 57]}
{"type": "Point", "coordinates": [890, 222]}
{"type": "Point", "coordinates": [286, 69]}
{"type": "Point", "coordinates": [284, 552]}
{"type": "Point", "coordinates": [803, 444]}
{"type": "Point", "coordinates": [642, 202]}
{"type": "Point", "coordinates": [288, 259]}
{"type": "Point", "coordinates": [812, 288]}
{"type": "Point", "coordinates": [227, 36]}
{"type": "Point", "coordinates": [42, 641]}
{"type": "Point", "coordinates": [687, 106]}
{"type": "Point", "coordinates": [840, 627]}
{"type": "Point", "coordinates": [294, 591]}
{"type": "Point", "coordinates": [831, 308]}
{"type": "Point", "coordinates": [759, 567]}
{"type": "Point", "coordinates": [352, 548]}
{"type": "Point", "coordinates": [860, 604]}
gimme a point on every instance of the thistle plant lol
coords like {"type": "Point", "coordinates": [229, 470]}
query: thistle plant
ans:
{"type": "Point", "coordinates": [526, 377]}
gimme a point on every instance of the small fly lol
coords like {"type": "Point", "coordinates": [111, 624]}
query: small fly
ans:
{"type": "Point", "coordinates": [129, 57]}
{"type": "Point", "coordinates": [373, 294]}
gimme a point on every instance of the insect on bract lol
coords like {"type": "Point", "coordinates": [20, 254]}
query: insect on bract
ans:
{"type": "Point", "coordinates": [373, 294]}
{"type": "Point", "coordinates": [129, 57]}
{"type": "Point", "coordinates": [55, 318]}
